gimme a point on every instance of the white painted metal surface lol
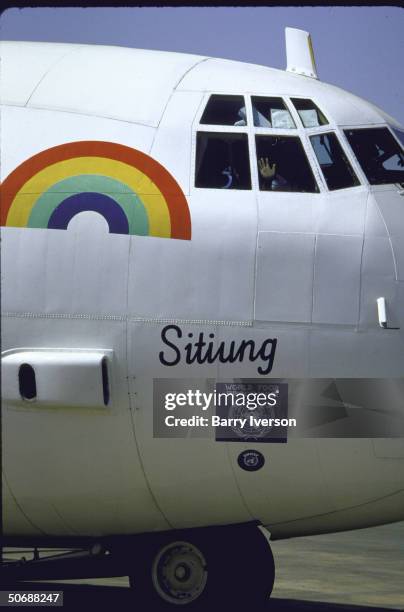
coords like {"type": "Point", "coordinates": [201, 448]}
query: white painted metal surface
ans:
{"type": "Point", "coordinates": [58, 374]}
{"type": "Point", "coordinates": [111, 82]}
{"type": "Point", "coordinates": [299, 53]}
{"type": "Point", "coordinates": [305, 268]}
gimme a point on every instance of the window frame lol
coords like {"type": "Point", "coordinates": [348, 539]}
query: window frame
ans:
{"type": "Point", "coordinates": [204, 106]}
{"type": "Point", "coordinates": [197, 126]}
{"type": "Point", "coordinates": [320, 107]}
{"type": "Point", "coordinates": [299, 131]}
{"type": "Point", "coordinates": [265, 129]}
{"type": "Point", "coordinates": [319, 133]}
{"type": "Point", "coordinates": [209, 131]}
{"type": "Point", "coordinates": [391, 128]}
{"type": "Point", "coordinates": [296, 135]}
{"type": "Point", "coordinates": [331, 126]}
{"type": "Point", "coordinates": [356, 164]}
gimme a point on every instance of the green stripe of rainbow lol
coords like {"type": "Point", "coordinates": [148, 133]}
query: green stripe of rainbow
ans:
{"type": "Point", "coordinates": [86, 183]}
{"type": "Point", "coordinates": [149, 196]}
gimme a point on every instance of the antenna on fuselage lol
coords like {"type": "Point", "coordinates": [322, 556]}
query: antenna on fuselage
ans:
{"type": "Point", "coordinates": [299, 53]}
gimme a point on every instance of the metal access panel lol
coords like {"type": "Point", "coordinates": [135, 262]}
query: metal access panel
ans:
{"type": "Point", "coordinates": [337, 279]}
{"type": "Point", "coordinates": [284, 282]}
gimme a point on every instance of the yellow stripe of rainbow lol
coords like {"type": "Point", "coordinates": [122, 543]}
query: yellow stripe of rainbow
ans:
{"type": "Point", "coordinates": [143, 186]}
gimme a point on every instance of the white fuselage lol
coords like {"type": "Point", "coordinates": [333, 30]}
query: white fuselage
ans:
{"type": "Point", "coordinates": [304, 268]}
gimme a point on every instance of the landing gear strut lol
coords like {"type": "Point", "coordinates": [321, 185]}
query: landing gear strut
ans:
{"type": "Point", "coordinates": [205, 566]}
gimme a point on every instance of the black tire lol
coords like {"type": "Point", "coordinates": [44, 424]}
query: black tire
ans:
{"type": "Point", "coordinates": [201, 567]}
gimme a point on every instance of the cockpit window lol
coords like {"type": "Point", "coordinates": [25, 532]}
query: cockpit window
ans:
{"type": "Point", "coordinates": [399, 134]}
{"type": "Point", "coordinates": [335, 166]}
{"type": "Point", "coordinates": [225, 110]}
{"type": "Point", "coordinates": [309, 113]}
{"type": "Point", "coordinates": [283, 165]}
{"type": "Point", "coordinates": [222, 161]}
{"type": "Point", "coordinates": [379, 155]}
{"type": "Point", "coordinates": [271, 113]}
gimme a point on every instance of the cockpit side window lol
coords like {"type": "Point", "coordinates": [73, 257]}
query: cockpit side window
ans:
{"type": "Point", "coordinates": [399, 134]}
{"type": "Point", "coordinates": [222, 161]}
{"type": "Point", "coordinates": [271, 113]}
{"type": "Point", "coordinates": [379, 154]}
{"type": "Point", "coordinates": [225, 110]}
{"type": "Point", "coordinates": [337, 170]}
{"type": "Point", "coordinates": [309, 113]}
{"type": "Point", "coordinates": [283, 165]}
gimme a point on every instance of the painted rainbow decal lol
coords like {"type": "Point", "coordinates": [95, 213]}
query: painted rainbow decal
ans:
{"type": "Point", "coordinates": [133, 192]}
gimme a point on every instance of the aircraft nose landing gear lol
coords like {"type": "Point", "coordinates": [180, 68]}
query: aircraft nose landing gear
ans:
{"type": "Point", "coordinates": [207, 566]}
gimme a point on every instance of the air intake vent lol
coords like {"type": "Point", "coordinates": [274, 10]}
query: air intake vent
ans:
{"type": "Point", "coordinates": [57, 378]}
{"type": "Point", "coordinates": [27, 382]}
{"type": "Point", "coordinates": [105, 381]}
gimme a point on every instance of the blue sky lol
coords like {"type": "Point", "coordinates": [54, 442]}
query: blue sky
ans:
{"type": "Point", "coordinates": [358, 48]}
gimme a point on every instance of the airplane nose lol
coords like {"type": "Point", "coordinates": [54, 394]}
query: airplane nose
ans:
{"type": "Point", "coordinates": [383, 260]}
{"type": "Point", "coordinates": [389, 200]}
{"type": "Point", "coordinates": [383, 276]}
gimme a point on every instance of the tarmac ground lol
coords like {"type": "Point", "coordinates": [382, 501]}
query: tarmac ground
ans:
{"type": "Point", "coordinates": [356, 571]}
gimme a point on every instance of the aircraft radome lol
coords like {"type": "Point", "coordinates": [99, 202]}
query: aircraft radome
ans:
{"type": "Point", "coordinates": [170, 217]}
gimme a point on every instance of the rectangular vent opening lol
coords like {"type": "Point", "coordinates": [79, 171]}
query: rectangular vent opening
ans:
{"type": "Point", "coordinates": [27, 382]}
{"type": "Point", "coordinates": [105, 381]}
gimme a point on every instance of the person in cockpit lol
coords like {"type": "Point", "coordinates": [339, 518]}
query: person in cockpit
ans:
{"type": "Point", "coordinates": [243, 117]}
{"type": "Point", "coordinates": [270, 177]}
{"type": "Point", "coordinates": [259, 119]}
{"type": "Point", "coordinates": [232, 177]}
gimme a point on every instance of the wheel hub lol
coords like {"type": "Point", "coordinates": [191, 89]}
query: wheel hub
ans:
{"type": "Point", "coordinates": [179, 572]}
